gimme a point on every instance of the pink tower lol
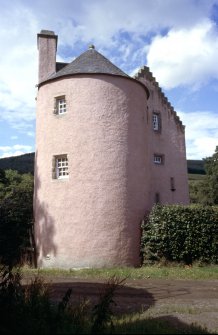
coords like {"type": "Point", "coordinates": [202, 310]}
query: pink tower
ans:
{"type": "Point", "coordinates": [94, 163]}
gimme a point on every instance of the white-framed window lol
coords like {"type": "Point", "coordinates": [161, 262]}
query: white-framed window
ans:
{"type": "Point", "coordinates": [158, 159]}
{"type": "Point", "coordinates": [60, 105]}
{"type": "Point", "coordinates": [156, 121]}
{"type": "Point", "coordinates": [61, 167]}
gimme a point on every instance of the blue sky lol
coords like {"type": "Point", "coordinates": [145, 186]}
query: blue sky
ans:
{"type": "Point", "coordinates": [177, 39]}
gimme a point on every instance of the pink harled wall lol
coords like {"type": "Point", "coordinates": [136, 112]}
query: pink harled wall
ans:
{"type": "Point", "coordinates": [93, 218]}
{"type": "Point", "coordinates": [169, 142]}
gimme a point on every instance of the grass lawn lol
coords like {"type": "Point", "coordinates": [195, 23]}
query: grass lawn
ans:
{"type": "Point", "coordinates": [192, 176]}
{"type": "Point", "coordinates": [138, 324]}
{"type": "Point", "coordinates": [195, 272]}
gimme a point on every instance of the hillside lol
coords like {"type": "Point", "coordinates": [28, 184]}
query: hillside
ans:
{"type": "Point", "coordinates": [195, 166]}
{"type": "Point", "coordinates": [25, 164]}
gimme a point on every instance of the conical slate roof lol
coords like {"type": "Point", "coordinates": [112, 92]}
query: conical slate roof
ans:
{"type": "Point", "coordinates": [90, 61]}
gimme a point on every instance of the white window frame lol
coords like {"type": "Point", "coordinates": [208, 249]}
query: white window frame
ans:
{"type": "Point", "coordinates": [158, 159]}
{"type": "Point", "coordinates": [61, 167]}
{"type": "Point", "coordinates": [60, 105]}
{"type": "Point", "coordinates": [156, 121]}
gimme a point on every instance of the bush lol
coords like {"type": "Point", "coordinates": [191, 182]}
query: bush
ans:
{"type": "Point", "coordinates": [30, 310]}
{"type": "Point", "coordinates": [102, 312]}
{"type": "Point", "coordinates": [180, 233]}
{"type": "Point", "coordinates": [16, 218]}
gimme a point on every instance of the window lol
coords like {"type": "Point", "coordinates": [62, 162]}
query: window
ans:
{"type": "Point", "coordinates": [157, 198]}
{"type": "Point", "coordinates": [60, 105]}
{"type": "Point", "coordinates": [61, 167]}
{"type": "Point", "coordinates": [158, 159]}
{"type": "Point", "coordinates": [172, 184]}
{"type": "Point", "coordinates": [156, 121]}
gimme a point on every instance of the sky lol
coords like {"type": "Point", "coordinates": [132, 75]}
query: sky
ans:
{"type": "Point", "coordinates": [177, 39]}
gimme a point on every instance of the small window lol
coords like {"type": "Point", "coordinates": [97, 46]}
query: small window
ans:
{"type": "Point", "coordinates": [156, 121]}
{"type": "Point", "coordinates": [158, 159]}
{"type": "Point", "coordinates": [172, 184]}
{"type": "Point", "coordinates": [61, 167]}
{"type": "Point", "coordinates": [60, 105]}
{"type": "Point", "coordinates": [157, 198]}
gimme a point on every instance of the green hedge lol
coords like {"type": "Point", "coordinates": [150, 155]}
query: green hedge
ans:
{"type": "Point", "coordinates": [180, 233]}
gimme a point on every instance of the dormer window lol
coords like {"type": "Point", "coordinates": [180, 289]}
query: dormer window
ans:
{"type": "Point", "coordinates": [60, 105]}
{"type": "Point", "coordinates": [156, 121]}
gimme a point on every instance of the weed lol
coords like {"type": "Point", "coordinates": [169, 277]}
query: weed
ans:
{"type": "Point", "coordinates": [102, 312]}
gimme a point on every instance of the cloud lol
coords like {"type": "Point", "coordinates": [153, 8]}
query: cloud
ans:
{"type": "Point", "coordinates": [14, 150]}
{"type": "Point", "coordinates": [201, 133]}
{"type": "Point", "coordinates": [78, 23]}
{"type": "Point", "coordinates": [185, 56]}
{"type": "Point", "coordinates": [18, 65]}
{"type": "Point", "coordinates": [123, 30]}
{"type": "Point", "coordinates": [87, 21]}
{"type": "Point", "coordinates": [30, 134]}
{"type": "Point", "coordinates": [11, 153]}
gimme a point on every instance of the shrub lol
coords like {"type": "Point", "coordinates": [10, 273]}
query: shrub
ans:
{"type": "Point", "coordinates": [29, 309]}
{"type": "Point", "coordinates": [180, 233]}
{"type": "Point", "coordinates": [16, 218]}
{"type": "Point", "coordinates": [102, 312]}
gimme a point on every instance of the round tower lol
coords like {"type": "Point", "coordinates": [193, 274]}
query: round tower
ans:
{"type": "Point", "coordinates": [90, 164]}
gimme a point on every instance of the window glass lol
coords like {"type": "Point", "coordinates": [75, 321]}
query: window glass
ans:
{"type": "Point", "coordinates": [156, 121]}
{"type": "Point", "coordinates": [60, 106]}
{"type": "Point", "coordinates": [62, 167]}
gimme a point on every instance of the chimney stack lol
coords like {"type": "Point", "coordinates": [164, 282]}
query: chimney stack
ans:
{"type": "Point", "coordinates": [47, 46]}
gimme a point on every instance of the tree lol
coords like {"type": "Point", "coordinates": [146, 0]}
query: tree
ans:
{"type": "Point", "coordinates": [16, 216]}
{"type": "Point", "coordinates": [3, 182]}
{"type": "Point", "coordinates": [209, 187]}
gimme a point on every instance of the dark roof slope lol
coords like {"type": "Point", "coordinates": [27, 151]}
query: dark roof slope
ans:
{"type": "Point", "coordinates": [90, 61]}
